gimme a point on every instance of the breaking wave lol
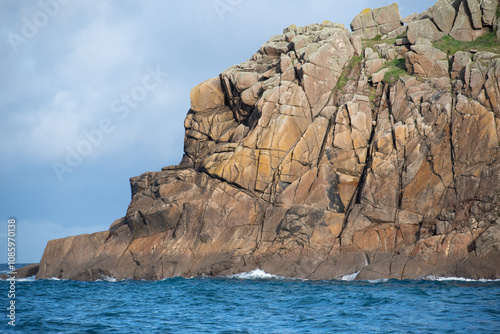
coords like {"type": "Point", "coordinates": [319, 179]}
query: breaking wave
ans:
{"type": "Point", "coordinates": [461, 279]}
{"type": "Point", "coordinates": [107, 279]}
{"type": "Point", "coordinates": [256, 274]}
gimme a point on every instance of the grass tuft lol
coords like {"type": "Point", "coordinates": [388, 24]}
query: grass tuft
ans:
{"type": "Point", "coordinates": [354, 61]}
{"type": "Point", "coordinates": [397, 69]}
{"type": "Point", "coordinates": [343, 79]}
{"type": "Point", "coordinates": [377, 40]}
{"type": "Point", "coordinates": [340, 84]}
{"type": "Point", "coordinates": [488, 42]}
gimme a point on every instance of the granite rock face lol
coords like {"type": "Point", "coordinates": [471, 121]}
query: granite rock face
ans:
{"type": "Point", "coordinates": [423, 29]}
{"type": "Point", "coordinates": [464, 20]}
{"type": "Point", "coordinates": [305, 161]}
{"type": "Point", "coordinates": [380, 21]}
{"type": "Point", "coordinates": [426, 61]}
{"type": "Point", "coordinates": [443, 15]}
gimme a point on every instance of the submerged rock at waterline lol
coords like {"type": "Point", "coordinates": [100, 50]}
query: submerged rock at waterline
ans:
{"type": "Point", "coordinates": [29, 270]}
{"type": "Point", "coordinates": [299, 163]}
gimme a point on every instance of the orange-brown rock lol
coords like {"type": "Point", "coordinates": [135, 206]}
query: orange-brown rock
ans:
{"type": "Point", "coordinates": [426, 61]}
{"type": "Point", "coordinates": [298, 164]}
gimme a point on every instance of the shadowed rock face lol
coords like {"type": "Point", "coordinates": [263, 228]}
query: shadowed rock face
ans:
{"type": "Point", "coordinates": [298, 164]}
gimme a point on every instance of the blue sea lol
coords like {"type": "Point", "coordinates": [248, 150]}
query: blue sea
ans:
{"type": "Point", "coordinates": [253, 302]}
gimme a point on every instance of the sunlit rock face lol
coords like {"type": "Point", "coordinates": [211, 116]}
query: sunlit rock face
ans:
{"type": "Point", "coordinates": [311, 160]}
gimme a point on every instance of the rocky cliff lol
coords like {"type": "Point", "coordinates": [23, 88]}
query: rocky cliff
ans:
{"type": "Point", "coordinates": [328, 153]}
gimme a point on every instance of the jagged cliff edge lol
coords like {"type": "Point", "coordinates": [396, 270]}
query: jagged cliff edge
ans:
{"type": "Point", "coordinates": [321, 157]}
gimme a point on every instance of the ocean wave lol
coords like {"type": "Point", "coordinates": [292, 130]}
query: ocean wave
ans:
{"type": "Point", "coordinates": [107, 279]}
{"type": "Point", "coordinates": [256, 274]}
{"type": "Point", "coordinates": [24, 279]}
{"type": "Point", "coordinates": [352, 277]}
{"type": "Point", "coordinates": [259, 274]}
{"type": "Point", "coordinates": [461, 279]}
{"type": "Point", "coordinates": [380, 280]}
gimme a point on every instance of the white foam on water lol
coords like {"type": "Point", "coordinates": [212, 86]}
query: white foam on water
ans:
{"type": "Point", "coordinates": [255, 274]}
{"type": "Point", "coordinates": [380, 280]}
{"type": "Point", "coordinates": [26, 279]}
{"type": "Point", "coordinates": [461, 279]}
{"type": "Point", "coordinates": [106, 279]}
{"type": "Point", "coordinates": [109, 279]}
{"type": "Point", "coordinates": [350, 277]}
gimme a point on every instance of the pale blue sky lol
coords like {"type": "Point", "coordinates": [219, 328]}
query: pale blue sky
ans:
{"type": "Point", "coordinates": [75, 76]}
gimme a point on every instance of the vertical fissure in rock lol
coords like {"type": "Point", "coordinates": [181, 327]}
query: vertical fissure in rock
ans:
{"type": "Point", "coordinates": [297, 69]}
{"type": "Point", "coordinates": [369, 158]}
{"type": "Point", "coordinates": [134, 259]}
{"type": "Point", "coordinates": [181, 217]}
{"type": "Point", "coordinates": [225, 90]}
{"type": "Point", "coordinates": [356, 197]}
{"type": "Point", "coordinates": [351, 128]}
{"type": "Point", "coordinates": [325, 138]}
{"type": "Point", "coordinates": [400, 165]}
{"type": "Point", "coordinates": [401, 177]}
{"type": "Point", "coordinates": [452, 147]}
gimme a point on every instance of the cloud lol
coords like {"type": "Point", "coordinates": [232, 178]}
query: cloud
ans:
{"type": "Point", "coordinates": [79, 70]}
{"type": "Point", "coordinates": [100, 52]}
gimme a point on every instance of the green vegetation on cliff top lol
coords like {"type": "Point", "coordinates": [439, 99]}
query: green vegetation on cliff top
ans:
{"type": "Point", "coordinates": [488, 42]}
{"type": "Point", "coordinates": [448, 44]}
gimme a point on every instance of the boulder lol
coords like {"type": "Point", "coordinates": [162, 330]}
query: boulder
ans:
{"type": "Point", "coordinates": [422, 16]}
{"type": "Point", "coordinates": [423, 29]}
{"type": "Point", "coordinates": [475, 13]}
{"type": "Point", "coordinates": [373, 62]}
{"type": "Point", "coordinates": [28, 271]}
{"type": "Point", "coordinates": [443, 15]}
{"type": "Point", "coordinates": [275, 48]}
{"type": "Point", "coordinates": [379, 21]}
{"type": "Point", "coordinates": [207, 95]}
{"type": "Point", "coordinates": [489, 9]}
{"type": "Point", "coordinates": [401, 31]}
{"type": "Point", "coordinates": [462, 29]}
{"type": "Point", "coordinates": [387, 18]}
{"type": "Point", "coordinates": [409, 18]}
{"type": "Point", "coordinates": [379, 76]}
{"type": "Point", "coordinates": [363, 20]}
